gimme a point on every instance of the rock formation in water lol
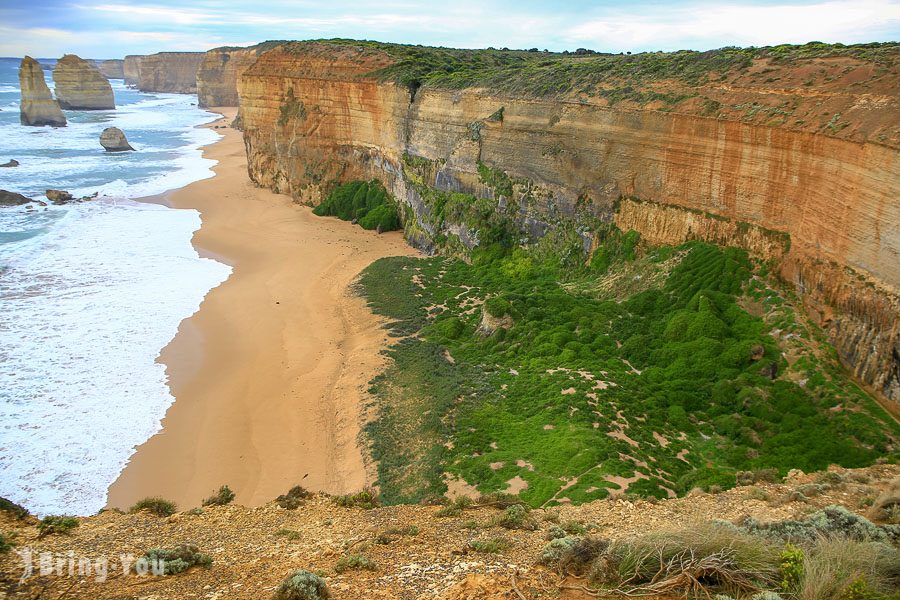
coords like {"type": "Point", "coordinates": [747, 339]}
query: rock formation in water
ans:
{"type": "Point", "coordinates": [131, 69]}
{"type": "Point", "coordinates": [113, 140]}
{"type": "Point", "coordinates": [790, 154]}
{"type": "Point", "coordinates": [37, 106]}
{"type": "Point", "coordinates": [10, 163]}
{"type": "Point", "coordinates": [172, 72]}
{"type": "Point", "coordinates": [12, 199]}
{"type": "Point", "coordinates": [81, 86]}
{"type": "Point", "coordinates": [112, 69]}
{"type": "Point", "coordinates": [220, 73]}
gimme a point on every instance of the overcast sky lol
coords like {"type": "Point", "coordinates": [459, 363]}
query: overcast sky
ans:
{"type": "Point", "coordinates": [114, 28]}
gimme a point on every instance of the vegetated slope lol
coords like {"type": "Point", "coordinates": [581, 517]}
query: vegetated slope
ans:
{"type": "Point", "coordinates": [651, 371]}
{"type": "Point", "coordinates": [788, 152]}
{"type": "Point", "coordinates": [485, 549]}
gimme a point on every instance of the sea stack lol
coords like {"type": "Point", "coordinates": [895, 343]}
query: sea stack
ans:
{"type": "Point", "coordinates": [113, 140]}
{"type": "Point", "coordinates": [37, 106]}
{"type": "Point", "coordinates": [81, 86]}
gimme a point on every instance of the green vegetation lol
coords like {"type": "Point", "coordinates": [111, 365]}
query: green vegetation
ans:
{"type": "Point", "coordinates": [176, 560]}
{"type": "Point", "coordinates": [15, 510]}
{"type": "Point", "coordinates": [493, 545]}
{"type": "Point", "coordinates": [366, 499]}
{"type": "Point", "coordinates": [672, 386]}
{"type": "Point", "coordinates": [546, 73]}
{"type": "Point", "coordinates": [291, 109]}
{"type": "Point", "coordinates": [302, 585]}
{"type": "Point", "coordinates": [354, 562]}
{"type": "Point", "coordinates": [157, 506]}
{"type": "Point", "coordinates": [5, 544]}
{"type": "Point", "coordinates": [50, 525]}
{"type": "Point", "coordinates": [366, 203]}
{"type": "Point", "coordinates": [223, 496]}
{"type": "Point", "coordinates": [294, 498]}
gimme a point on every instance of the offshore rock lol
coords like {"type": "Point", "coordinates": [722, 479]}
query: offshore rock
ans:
{"type": "Point", "coordinates": [37, 106]}
{"type": "Point", "coordinates": [12, 199]}
{"type": "Point", "coordinates": [113, 140]}
{"type": "Point", "coordinates": [81, 86]}
{"type": "Point", "coordinates": [59, 196]}
{"type": "Point", "coordinates": [11, 163]}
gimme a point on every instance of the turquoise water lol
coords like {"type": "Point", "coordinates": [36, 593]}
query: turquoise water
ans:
{"type": "Point", "coordinates": [91, 292]}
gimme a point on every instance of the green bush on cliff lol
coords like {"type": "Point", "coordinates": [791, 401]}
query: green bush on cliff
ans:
{"type": "Point", "coordinates": [367, 202]}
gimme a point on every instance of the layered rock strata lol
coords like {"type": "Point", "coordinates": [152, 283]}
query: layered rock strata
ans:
{"type": "Point", "coordinates": [171, 72]}
{"type": "Point", "coordinates": [112, 69]}
{"type": "Point", "coordinates": [131, 69]}
{"type": "Point", "coordinates": [81, 86]}
{"type": "Point", "coordinates": [220, 73]}
{"type": "Point", "coordinates": [819, 199]}
{"type": "Point", "coordinates": [37, 106]}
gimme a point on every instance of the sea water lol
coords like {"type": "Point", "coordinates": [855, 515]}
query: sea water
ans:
{"type": "Point", "coordinates": [91, 292]}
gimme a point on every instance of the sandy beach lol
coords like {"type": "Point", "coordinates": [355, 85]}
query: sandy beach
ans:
{"type": "Point", "coordinates": [270, 374]}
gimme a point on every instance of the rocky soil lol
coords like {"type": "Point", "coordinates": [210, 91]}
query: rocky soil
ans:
{"type": "Point", "coordinates": [253, 549]}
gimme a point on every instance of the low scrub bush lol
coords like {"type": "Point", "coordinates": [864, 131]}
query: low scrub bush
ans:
{"type": "Point", "coordinates": [289, 534]}
{"type": "Point", "coordinates": [756, 476]}
{"type": "Point", "coordinates": [157, 506]}
{"type": "Point", "coordinates": [354, 562]}
{"type": "Point", "coordinates": [223, 496]}
{"type": "Point", "coordinates": [5, 544]}
{"type": "Point", "coordinates": [302, 585]}
{"type": "Point", "coordinates": [172, 561]}
{"type": "Point", "coordinates": [389, 535]}
{"type": "Point", "coordinates": [516, 517]}
{"type": "Point", "coordinates": [366, 499]}
{"type": "Point", "coordinates": [367, 203]}
{"type": "Point", "coordinates": [456, 507]}
{"type": "Point", "coordinates": [555, 549]}
{"type": "Point", "coordinates": [830, 521]}
{"type": "Point", "coordinates": [16, 510]}
{"type": "Point", "coordinates": [493, 545]}
{"type": "Point", "coordinates": [294, 498]}
{"type": "Point", "coordinates": [51, 525]}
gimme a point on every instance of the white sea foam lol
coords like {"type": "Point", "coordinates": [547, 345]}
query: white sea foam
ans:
{"type": "Point", "coordinates": [86, 309]}
{"type": "Point", "coordinates": [90, 293]}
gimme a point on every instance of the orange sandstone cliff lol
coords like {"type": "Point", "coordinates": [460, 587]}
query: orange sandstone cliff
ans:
{"type": "Point", "coordinates": [172, 72]}
{"type": "Point", "coordinates": [795, 160]}
{"type": "Point", "coordinates": [221, 70]}
{"type": "Point", "coordinates": [131, 69]}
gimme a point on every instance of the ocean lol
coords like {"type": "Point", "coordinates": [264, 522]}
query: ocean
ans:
{"type": "Point", "coordinates": [91, 292]}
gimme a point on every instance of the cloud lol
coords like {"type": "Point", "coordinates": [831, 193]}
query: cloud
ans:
{"type": "Point", "coordinates": [740, 24]}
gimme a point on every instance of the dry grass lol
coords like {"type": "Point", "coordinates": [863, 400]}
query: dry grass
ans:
{"type": "Point", "coordinates": [833, 564]}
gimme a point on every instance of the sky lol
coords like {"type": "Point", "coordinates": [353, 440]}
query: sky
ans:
{"type": "Point", "coordinates": [114, 28]}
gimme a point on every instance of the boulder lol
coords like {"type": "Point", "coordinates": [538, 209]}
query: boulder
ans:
{"type": "Point", "coordinates": [12, 163]}
{"type": "Point", "coordinates": [81, 86]}
{"type": "Point", "coordinates": [37, 107]}
{"type": "Point", "coordinates": [12, 199]}
{"type": "Point", "coordinates": [113, 140]}
{"type": "Point", "coordinates": [59, 196]}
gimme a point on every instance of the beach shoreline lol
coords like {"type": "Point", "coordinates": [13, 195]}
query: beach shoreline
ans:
{"type": "Point", "coordinates": [270, 374]}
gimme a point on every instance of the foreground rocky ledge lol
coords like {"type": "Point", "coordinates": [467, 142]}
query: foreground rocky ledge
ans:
{"type": "Point", "coordinates": [418, 553]}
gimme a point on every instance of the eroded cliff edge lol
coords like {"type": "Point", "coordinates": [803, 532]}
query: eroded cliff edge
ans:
{"type": "Point", "coordinates": [171, 72]}
{"type": "Point", "coordinates": [221, 70]}
{"type": "Point", "coordinates": [790, 152]}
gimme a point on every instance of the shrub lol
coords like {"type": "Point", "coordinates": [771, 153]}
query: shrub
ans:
{"type": "Point", "coordinates": [50, 525]}
{"type": "Point", "coordinates": [757, 476]}
{"type": "Point", "coordinates": [289, 534]}
{"type": "Point", "coordinates": [556, 532]}
{"type": "Point", "coordinates": [455, 508]}
{"type": "Point", "coordinates": [389, 535]}
{"type": "Point", "coordinates": [366, 499]}
{"type": "Point", "coordinates": [354, 562]}
{"type": "Point", "coordinates": [555, 549]}
{"type": "Point", "coordinates": [302, 585]}
{"type": "Point", "coordinates": [16, 510]}
{"type": "Point", "coordinates": [223, 496]}
{"type": "Point", "coordinates": [366, 202]}
{"type": "Point", "coordinates": [492, 545]}
{"type": "Point", "coordinates": [516, 517]}
{"type": "Point", "coordinates": [497, 307]}
{"type": "Point", "coordinates": [5, 544]}
{"type": "Point", "coordinates": [293, 498]}
{"type": "Point", "coordinates": [791, 568]}
{"type": "Point", "coordinates": [158, 506]}
{"type": "Point", "coordinates": [178, 559]}
{"type": "Point", "coordinates": [832, 520]}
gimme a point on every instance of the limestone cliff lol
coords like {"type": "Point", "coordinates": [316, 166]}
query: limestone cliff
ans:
{"type": "Point", "coordinates": [172, 72]}
{"type": "Point", "coordinates": [793, 158]}
{"type": "Point", "coordinates": [221, 70]}
{"type": "Point", "coordinates": [131, 69]}
{"type": "Point", "coordinates": [81, 86]}
{"type": "Point", "coordinates": [112, 69]}
{"type": "Point", "coordinates": [37, 106]}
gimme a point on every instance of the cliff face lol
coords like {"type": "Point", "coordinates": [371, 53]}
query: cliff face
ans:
{"type": "Point", "coordinates": [37, 106]}
{"type": "Point", "coordinates": [80, 85]}
{"type": "Point", "coordinates": [764, 169]}
{"type": "Point", "coordinates": [220, 73]}
{"type": "Point", "coordinates": [112, 69]}
{"type": "Point", "coordinates": [172, 72]}
{"type": "Point", "coordinates": [131, 69]}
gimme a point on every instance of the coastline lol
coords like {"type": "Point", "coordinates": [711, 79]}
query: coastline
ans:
{"type": "Point", "coordinates": [270, 373]}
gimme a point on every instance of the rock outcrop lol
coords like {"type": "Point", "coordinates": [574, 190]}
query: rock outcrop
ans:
{"type": "Point", "coordinates": [172, 72]}
{"type": "Point", "coordinates": [131, 69]}
{"type": "Point", "coordinates": [113, 140]}
{"type": "Point", "coordinates": [10, 163]}
{"type": "Point", "coordinates": [12, 199]}
{"type": "Point", "coordinates": [81, 86]}
{"type": "Point", "coordinates": [112, 69]}
{"type": "Point", "coordinates": [37, 106]}
{"type": "Point", "coordinates": [806, 175]}
{"type": "Point", "coordinates": [221, 70]}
